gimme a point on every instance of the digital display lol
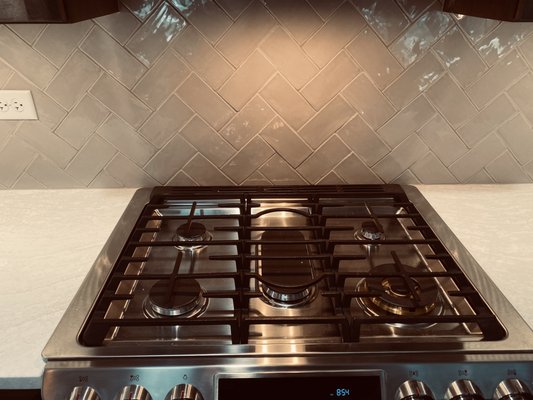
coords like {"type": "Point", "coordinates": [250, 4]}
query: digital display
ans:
{"type": "Point", "coordinates": [301, 387]}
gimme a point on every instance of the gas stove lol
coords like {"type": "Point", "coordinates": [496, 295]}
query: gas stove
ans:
{"type": "Point", "coordinates": [323, 292]}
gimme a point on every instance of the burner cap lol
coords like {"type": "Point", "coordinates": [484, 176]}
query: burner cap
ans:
{"type": "Point", "coordinates": [369, 231]}
{"type": "Point", "coordinates": [196, 232]}
{"type": "Point", "coordinates": [396, 297]}
{"type": "Point", "coordinates": [286, 282]}
{"type": "Point", "coordinates": [186, 297]}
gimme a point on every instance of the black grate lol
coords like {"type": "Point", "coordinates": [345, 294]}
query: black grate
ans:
{"type": "Point", "coordinates": [316, 200]}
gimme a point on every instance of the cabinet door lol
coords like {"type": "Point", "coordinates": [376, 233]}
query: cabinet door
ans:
{"type": "Point", "coordinates": [504, 10]}
{"type": "Point", "coordinates": [53, 11]}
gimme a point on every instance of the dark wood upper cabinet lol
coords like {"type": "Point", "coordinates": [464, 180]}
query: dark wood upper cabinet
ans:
{"type": "Point", "coordinates": [504, 10]}
{"type": "Point", "coordinates": [54, 11]}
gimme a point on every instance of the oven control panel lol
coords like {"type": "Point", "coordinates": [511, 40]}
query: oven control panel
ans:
{"type": "Point", "coordinates": [301, 380]}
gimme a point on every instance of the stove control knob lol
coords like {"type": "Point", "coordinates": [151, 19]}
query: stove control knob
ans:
{"type": "Point", "coordinates": [512, 389]}
{"type": "Point", "coordinates": [413, 390]}
{"type": "Point", "coordinates": [463, 389]}
{"type": "Point", "coordinates": [83, 393]}
{"type": "Point", "coordinates": [134, 392]}
{"type": "Point", "coordinates": [184, 392]}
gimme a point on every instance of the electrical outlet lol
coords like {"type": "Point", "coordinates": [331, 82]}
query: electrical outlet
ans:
{"type": "Point", "coordinates": [17, 104]}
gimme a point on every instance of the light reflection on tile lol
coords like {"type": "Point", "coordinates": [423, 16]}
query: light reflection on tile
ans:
{"type": "Point", "coordinates": [155, 35]}
{"type": "Point", "coordinates": [384, 16]}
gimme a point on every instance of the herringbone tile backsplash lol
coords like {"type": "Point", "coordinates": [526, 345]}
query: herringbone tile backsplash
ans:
{"type": "Point", "coordinates": [223, 92]}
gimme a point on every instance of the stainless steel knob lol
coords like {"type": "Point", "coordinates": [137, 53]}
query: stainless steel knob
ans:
{"type": "Point", "coordinates": [413, 390]}
{"type": "Point", "coordinates": [184, 392]}
{"type": "Point", "coordinates": [83, 393]}
{"type": "Point", "coordinates": [463, 389]}
{"type": "Point", "coordinates": [134, 392]}
{"type": "Point", "coordinates": [512, 389]}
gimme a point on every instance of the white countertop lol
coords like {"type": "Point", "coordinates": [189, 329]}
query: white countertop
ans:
{"type": "Point", "coordinates": [41, 267]}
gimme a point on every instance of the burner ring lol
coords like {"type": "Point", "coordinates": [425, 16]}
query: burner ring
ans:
{"type": "Point", "coordinates": [196, 232]}
{"type": "Point", "coordinates": [395, 297]}
{"type": "Point", "coordinates": [187, 298]}
{"type": "Point", "coordinates": [369, 231]}
{"type": "Point", "coordinates": [287, 297]}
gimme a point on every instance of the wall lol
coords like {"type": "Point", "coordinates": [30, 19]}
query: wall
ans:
{"type": "Point", "coordinates": [273, 92]}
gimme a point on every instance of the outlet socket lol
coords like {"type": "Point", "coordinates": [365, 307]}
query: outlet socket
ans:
{"type": "Point", "coordinates": [17, 105]}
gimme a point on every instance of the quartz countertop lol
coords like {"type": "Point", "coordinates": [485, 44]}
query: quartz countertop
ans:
{"type": "Point", "coordinates": [50, 238]}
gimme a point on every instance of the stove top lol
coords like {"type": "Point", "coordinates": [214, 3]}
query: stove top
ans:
{"type": "Point", "coordinates": [331, 271]}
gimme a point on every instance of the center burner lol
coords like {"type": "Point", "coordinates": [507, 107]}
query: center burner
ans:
{"type": "Point", "coordinates": [286, 282]}
{"type": "Point", "coordinates": [174, 298]}
{"type": "Point", "coordinates": [370, 231]}
{"type": "Point", "coordinates": [399, 295]}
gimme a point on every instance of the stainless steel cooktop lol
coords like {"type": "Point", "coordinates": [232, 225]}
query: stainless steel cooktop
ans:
{"type": "Point", "coordinates": [242, 287]}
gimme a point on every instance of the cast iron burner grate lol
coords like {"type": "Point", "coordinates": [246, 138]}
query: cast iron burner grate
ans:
{"type": "Point", "coordinates": [331, 279]}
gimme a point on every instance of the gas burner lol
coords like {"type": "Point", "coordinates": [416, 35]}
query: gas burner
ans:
{"type": "Point", "coordinates": [184, 300]}
{"type": "Point", "coordinates": [192, 232]}
{"type": "Point", "coordinates": [369, 231]}
{"type": "Point", "coordinates": [419, 296]}
{"type": "Point", "coordinates": [286, 282]}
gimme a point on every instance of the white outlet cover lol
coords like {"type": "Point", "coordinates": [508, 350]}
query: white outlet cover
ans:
{"type": "Point", "coordinates": [17, 105]}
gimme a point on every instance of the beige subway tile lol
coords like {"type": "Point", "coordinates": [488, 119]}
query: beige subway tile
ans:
{"type": "Point", "coordinates": [203, 100]}
{"type": "Point", "coordinates": [166, 121]}
{"type": "Point", "coordinates": [298, 17]}
{"type": "Point", "coordinates": [27, 182]}
{"type": "Point", "coordinates": [288, 57]}
{"type": "Point", "coordinates": [170, 159]}
{"type": "Point", "coordinates": [126, 140]}
{"type": "Point", "coordinates": [59, 40]}
{"type": "Point", "coordinates": [416, 79]}
{"type": "Point", "coordinates": [279, 172]}
{"type": "Point", "coordinates": [481, 178]}
{"type": "Point", "coordinates": [384, 16]}
{"type": "Point", "coordinates": [206, 16]}
{"type": "Point", "coordinates": [119, 25]}
{"type": "Point", "coordinates": [287, 102]}
{"type": "Point", "coordinates": [487, 120]}
{"type": "Point", "coordinates": [521, 94]}
{"type": "Point", "coordinates": [256, 179]}
{"type": "Point", "coordinates": [90, 160]}
{"type": "Point", "coordinates": [119, 100]}
{"type": "Point", "coordinates": [127, 173]}
{"type": "Point", "coordinates": [38, 136]}
{"type": "Point", "coordinates": [105, 180]}
{"type": "Point", "coordinates": [430, 170]}
{"type": "Point", "coordinates": [477, 158]}
{"type": "Point", "coordinates": [50, 175]}
{"type": "Point", "coordinates": [155, 34]}
{"type": "Point", "coordinates": [497, 79]}
{"type": "Point", "coordinates": [372, 105]}
{"type": "Point", "coordinates": [205, 173]}
{"type": "Point", "coordinates": [353, 170]}
{"type": "Point", "coordinates": [325, 8]}
{"type": "Point", "coordinates": [141, 8]}
{"type": "Point", "coordinates": [476, 28]}
{"type": "Point", "coordinates": [406, 122]}
{"type": "Point", "coordinates": [451, 101]}
{"type": "Point", "coordinates": [28, 32]}
{"type": "Point", "coordinates": [23, 58]}
{"type": "Point", "coordinates": [247, 122]}
{"type": "Point", "coordinates": [406, 178]}
{"type": "Point", "coordinates": [112, 57]}
{"type": "Point", "coordinates": [331, 179]}
{"type": "Point", "coordinates": [459, 57]}
{"type": "Point", "coordinates": [323, 160]}
{"type": "Point", "coordinates": [326, 122]}
{"type": "Point", "coordinates": [234, 7]}
{"type": "Point", "coordinates": [518, 136]}
{"type": "Point", "coordinates": [202, 56]}
{"type": "Point", "coordinates": [245, 34]}
{"type": "Point", "coordinates": [181, 179]}
{"type": "Point", "coordinates": [342, 27]}
{"type": "Point", "coordinates": [363, 141]}
{"type": "Point", "coordinates": [161, 80]}
{"type": "Point", "coordinates": [14, 158]}
{"type": "Point", "coordinates": [75, 78]}
{"type": "Point", "coordinates": [247, 160]}
{"type": "Point", "coordinates": [400, 158]}
{"type": "Point", "coordinates": [502, 40]}
{"type": "Point", "coordinates": [330, 80]}
{"type": "Point", "coordinates": [247, 80]}
{"type": "Point", "coordinates": [82, 121]}
{"type": "Point", "coordinates": [421, 35]}
{"type": "Point", "coordinates": [371, 54]}
{"type": "Point", "coordinates": [207, 141]}
{"type": "Point", "coordinates": [442, 140]}
{"type": "Point", "coordinates": [286, 142]}
{"type": "Point", "coordinates": [505, 169]}
{"type": "Point", "coordinates": [414, 8]}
